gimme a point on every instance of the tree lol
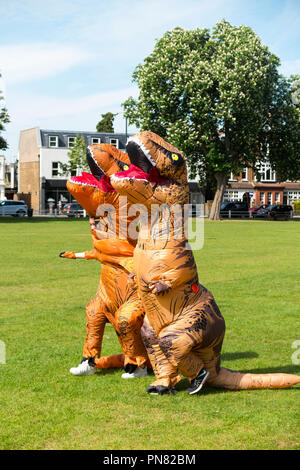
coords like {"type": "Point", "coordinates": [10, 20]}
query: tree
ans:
{"type": "Point", "coordinates": [282, 144]}
{"type": "Point", "coordinates": [77, 159]}
{"type": "Point", "coordinates": [107, 123]}
{"type": "Point", "coordinates": [211, 95]}
{"type": "Point", "coordinates": [4, 118]}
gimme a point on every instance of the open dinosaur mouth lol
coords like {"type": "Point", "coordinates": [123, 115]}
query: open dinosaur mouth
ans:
{"type": "Point", "coordinates": [87, 179]}
{"type": "Point", "coordinates": [96, 170]}
{"type": "Point", "coordinates": [142, 166]}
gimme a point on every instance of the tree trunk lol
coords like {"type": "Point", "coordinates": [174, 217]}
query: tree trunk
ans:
{"type": "Point", "coordinates": [222, 179]}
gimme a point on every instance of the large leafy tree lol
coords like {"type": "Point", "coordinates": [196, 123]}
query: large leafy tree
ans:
{"type": "Point", "coordinates": [214, 95]}
{"type": "Point", "coordinates": [4, 119]}
{"type": "Point", "coordinates": [106, 124]}
{"type": "Point", "coordinates": [77, 159]}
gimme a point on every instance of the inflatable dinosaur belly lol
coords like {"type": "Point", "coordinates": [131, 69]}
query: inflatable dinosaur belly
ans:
{"type": "Point", "coordinates": [116, 301]}
{"type": "Point", "coordinates": [183, 330]}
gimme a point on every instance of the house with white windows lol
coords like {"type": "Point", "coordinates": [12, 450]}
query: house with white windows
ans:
{"type": "Point", "coordinates": [265, 190]}
{"type": "Point", "coordinates": [40, 152]}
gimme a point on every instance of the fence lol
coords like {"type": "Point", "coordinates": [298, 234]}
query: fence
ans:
{"type": "Point", "coordinates": [250, 215]}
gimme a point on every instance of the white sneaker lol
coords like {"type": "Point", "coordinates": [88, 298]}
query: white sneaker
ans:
{"type": "Point", "coordinates": [83, 369]}
{"type": "Point", "coordinates": [139, 372]}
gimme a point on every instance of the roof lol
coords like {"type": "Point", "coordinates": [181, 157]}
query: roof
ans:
{"type": "Point", "coordinates": [88, 135]}
{"type": "Point", "coordinates": [240, 185]}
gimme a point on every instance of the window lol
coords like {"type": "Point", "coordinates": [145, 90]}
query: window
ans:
{"type": "Point", "coordinates": [292, 196]}
{"type": "Point", "coordinates": [230, 196]}
{"type": "Point", "coordinates": [266, 172]}
{"type": "Point", "coordinates": [54, 169]}
{"type": "Point", "coordinates": [269, 198]}
{"type": "Point", "coordinates": [244, 174]}
{"type": "Point", "coordinates": [277, 198]}
{"type": "Point", "coordinates": [96, 140]}
{"type": "Point", "coordinates": [262, 197]}
{"type": "Point", "coordinates": [232, 177]}
{"type": "Point", "coordinates": [114, 142]}
{"type": "Point", "coordinates": [71, 141]}
{"type": "Point", "coordinates": [53, 141]}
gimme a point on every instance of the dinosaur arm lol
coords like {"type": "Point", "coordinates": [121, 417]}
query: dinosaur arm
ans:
{"type": "Point", "coordinates": [92, 254]}
{"type": "Point", "coordinates": [171, 270]}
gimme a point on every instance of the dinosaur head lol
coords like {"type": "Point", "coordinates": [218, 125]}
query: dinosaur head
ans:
{"type": "Point", "coordinates": [105, 158]}
{"type": "Point", "coordinates": [153, 162]}
{"type": "Point", "coordinates": [93, 189]}
{"type": "Point", "coordinates": [91, 192]}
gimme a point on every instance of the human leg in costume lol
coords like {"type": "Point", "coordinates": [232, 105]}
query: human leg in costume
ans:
{"type": "Point", "coordinates": [188, 329]}
{"type": "Point", "coordinates": [115, 254]}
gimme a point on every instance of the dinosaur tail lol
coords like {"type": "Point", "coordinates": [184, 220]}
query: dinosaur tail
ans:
{"type": "Point", "coordinates": [107, 362]}
{"type": "Point", "coordinates": [233, 380]}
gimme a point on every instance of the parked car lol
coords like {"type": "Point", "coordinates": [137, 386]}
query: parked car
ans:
{"type": "Point", "coordinates": [255, 209]}
{"type": "Point", "coordinates": [234, 209]}
{"type": "Point", "coordinates": [275, 212]}
{"type": "Point", "coordinates": [14, 208]}
{"type": "Point", "coordinates": [73, 209]}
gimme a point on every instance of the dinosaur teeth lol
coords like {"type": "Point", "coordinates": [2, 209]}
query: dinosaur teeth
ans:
{"type": "Point", "coordinates": [81, 183]}
{"type": "Point", "coordinates": [92, 155]}
{"type": "Point", "coordinates": [121, 178]}
{"type": "Point", "coordinates": [143, 148]}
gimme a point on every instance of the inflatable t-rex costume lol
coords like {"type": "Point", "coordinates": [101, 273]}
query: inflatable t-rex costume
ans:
{"type": "Point", "coordinates": [183, 329]}
{"type": "Point", "coordinates": [116, 300]}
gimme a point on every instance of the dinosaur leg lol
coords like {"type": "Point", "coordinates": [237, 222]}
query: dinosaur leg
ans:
{"type": "Point", "coordinates": [177, 345]}
{"type": "Point", "coordinates": [129, 319]}
{"type": "Point", "coordinates": [165, 374]}
{"type": "Point", "coordinates": [96, 318]}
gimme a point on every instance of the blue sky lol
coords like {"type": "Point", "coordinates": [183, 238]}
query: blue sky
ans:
{"type": "Point", "coordinates": [66, 62]}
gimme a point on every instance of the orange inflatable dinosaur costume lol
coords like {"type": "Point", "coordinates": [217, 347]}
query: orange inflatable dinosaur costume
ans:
{"type": "Point", "coordinates": [116, 301]}
{"type": "Point", "coordinates": [183, 330]}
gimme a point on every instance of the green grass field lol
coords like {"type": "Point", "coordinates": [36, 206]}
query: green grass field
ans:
{"type": "Point", "coordinates": [253, 270]}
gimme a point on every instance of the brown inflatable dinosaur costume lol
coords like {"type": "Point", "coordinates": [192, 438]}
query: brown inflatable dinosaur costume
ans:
{"type": "Point", "coordinates": [116, 301]}
{"type": "Point", "coordinates": [183, 330]}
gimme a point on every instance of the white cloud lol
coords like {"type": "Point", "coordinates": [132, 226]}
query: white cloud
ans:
{"type": "Point", "coordinates": [37, 107]}
{"type": "Point", "coordinates": [79, 114]}
{"type": "Point", "coordinates": [34, 61]}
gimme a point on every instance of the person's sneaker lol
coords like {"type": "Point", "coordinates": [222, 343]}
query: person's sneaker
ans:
{"type": "Point", "coordinates": [198, 382]}
{"type": "Point", "coordinates": [84, 368]}
{"type": "Point", "coordinates": [137, 372]}
{"type": "Point", "coordinates": [160, 390]}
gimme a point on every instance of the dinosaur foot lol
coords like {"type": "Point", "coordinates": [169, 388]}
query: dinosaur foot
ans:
{"type": "Point", "coordinates": [160, 390]}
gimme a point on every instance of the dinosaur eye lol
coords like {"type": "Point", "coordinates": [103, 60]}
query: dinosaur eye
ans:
{"type": "Point", "coordinates": [125, 167]}
{"type": "Point", "coordinates": [174, 156]}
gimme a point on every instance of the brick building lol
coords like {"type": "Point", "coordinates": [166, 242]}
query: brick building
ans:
{"type": "Point", "coordinates": [268, 190]}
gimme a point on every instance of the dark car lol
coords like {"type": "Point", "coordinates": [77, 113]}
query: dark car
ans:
{"type": "Point", "coordinates": [73, 209]}
{"type": "Point", "coordinates": [234, 209]}
{"type": "Point", "coordinates": [275, 212]}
